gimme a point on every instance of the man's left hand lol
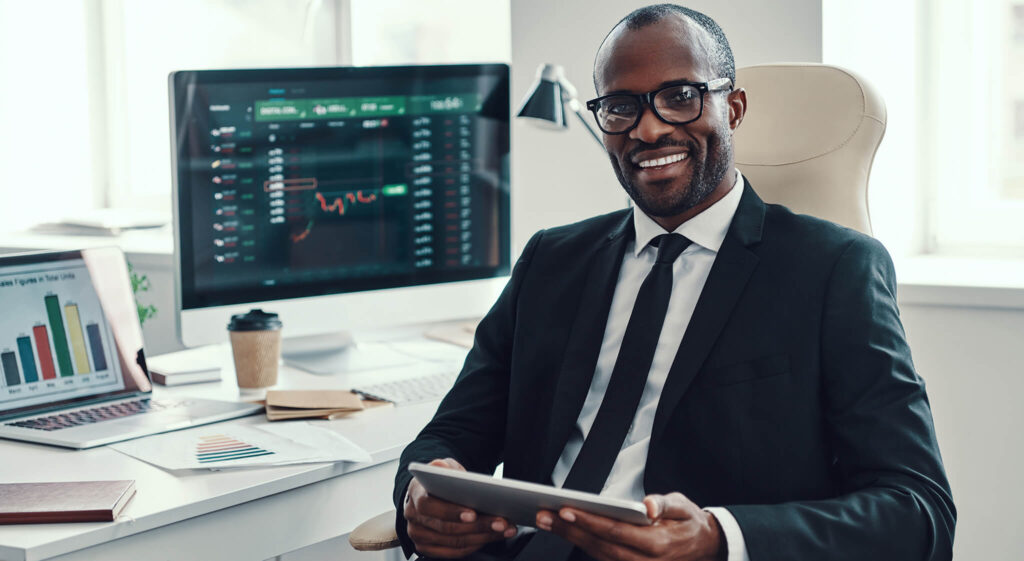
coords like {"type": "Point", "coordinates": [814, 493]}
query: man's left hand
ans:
{"type": "Point", "coordinates": [681, 532]}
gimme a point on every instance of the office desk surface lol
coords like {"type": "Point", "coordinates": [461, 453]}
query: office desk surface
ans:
{"type": "Point", "coordinates": [170, 502]}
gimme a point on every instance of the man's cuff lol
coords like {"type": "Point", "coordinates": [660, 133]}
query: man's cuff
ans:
{"type": "Point", "coordinates": [734, 542]}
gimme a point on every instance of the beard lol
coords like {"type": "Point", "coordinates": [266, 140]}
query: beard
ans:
{"type": "Point", "coordinates": [708, 171]}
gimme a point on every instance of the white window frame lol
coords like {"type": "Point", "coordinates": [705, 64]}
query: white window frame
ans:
{"type": "Point", "coordinates": [965, 212]}
{"type": "Point", "coordinates": [106, 45]}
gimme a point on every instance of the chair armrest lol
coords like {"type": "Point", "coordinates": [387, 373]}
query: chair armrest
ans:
{"type": "Point", "coordinates": [376, 534]}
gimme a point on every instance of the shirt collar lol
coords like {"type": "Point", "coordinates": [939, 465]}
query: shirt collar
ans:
{"type": "Point", "coordinates": [707, 229]}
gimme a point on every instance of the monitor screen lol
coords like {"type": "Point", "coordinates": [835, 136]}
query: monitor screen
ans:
{"type": "Point", "coordinates": [302, 182]}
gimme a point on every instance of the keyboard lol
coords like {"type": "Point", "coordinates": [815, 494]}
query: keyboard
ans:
{"type": "Point", "coordinates": [80, 417]}
{"type": "Point", "coordinates": [410, 390]}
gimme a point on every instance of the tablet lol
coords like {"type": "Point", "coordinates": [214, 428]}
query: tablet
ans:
{"type": "Point", "coordinates": [519, 501]}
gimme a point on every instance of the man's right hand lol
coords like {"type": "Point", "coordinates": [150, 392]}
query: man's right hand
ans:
{"type": "Point", "coordinates": [443, 529]}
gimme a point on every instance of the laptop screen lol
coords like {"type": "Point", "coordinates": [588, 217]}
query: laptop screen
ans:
{"type": "Point", "coordinates": [69, 332]}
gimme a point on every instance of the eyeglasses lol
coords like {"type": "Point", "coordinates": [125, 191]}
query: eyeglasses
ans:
{"type": "Point", "coordinates": [675, 104]}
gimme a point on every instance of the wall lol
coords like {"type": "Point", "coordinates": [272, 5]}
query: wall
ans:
{"type": "Point", "coordinates": [562, 177]}
{"type": "Point", "coordinates": [970, 360]}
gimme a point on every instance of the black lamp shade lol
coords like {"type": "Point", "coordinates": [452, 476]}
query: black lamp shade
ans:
{"type": "Point", "coordinates": [545, 103]}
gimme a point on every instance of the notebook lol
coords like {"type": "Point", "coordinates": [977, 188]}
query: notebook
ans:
{"type": "Point", "coordinates": [72, 501]}
{"type": "Point", "coordinates": [191, 366]}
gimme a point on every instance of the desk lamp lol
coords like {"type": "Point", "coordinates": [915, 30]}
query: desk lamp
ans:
{"type": "Point", "coordinates": [545, 103]}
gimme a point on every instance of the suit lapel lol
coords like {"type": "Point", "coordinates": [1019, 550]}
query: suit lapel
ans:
{"type": "Point", "coordinates": [725, 283]}
{"type": "Point", "coordinates": [584, 342]}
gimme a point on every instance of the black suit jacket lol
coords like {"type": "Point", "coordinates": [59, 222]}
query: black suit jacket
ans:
{"type": "Point", "coordinates": [792, 400]}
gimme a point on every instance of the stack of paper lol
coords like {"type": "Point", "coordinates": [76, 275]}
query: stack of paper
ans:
{"type": "Point", "coordinates": [227, 446]}
{"type": "Point", "coordinates": [307, 404]}
{"type": "Point", "coordinates": [105, 222]}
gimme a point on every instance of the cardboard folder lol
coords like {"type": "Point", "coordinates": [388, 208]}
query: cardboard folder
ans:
{"type": "Point", "coordinates": [306, 404]}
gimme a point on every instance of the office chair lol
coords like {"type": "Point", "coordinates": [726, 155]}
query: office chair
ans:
{"type": "Point", "coordinates": [807, 142]}
{"type": "Point", "coordinates": [809, 138]}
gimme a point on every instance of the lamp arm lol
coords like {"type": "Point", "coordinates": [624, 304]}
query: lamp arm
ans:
{"type": "Point", "coordinates": [574, 104]}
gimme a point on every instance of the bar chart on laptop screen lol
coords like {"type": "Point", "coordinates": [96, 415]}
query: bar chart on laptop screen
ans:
{"type": "Point", "coordinates": [55, 343]}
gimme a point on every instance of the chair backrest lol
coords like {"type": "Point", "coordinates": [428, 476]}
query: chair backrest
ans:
{"type": "Point", "coordinates": [809, 138]}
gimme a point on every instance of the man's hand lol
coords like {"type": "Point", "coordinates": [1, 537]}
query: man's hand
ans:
{"type": "Point", "coordinates": [443, 529]}
{"type": "Point", "coordinates": [681, 531]}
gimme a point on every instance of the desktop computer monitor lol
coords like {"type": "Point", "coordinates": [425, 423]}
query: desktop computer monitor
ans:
{"type": "Point", "coordinates": [340, 198]}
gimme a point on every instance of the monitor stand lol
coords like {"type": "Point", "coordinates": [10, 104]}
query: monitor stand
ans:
{"type": "Point", "coordinates": [338, 353]}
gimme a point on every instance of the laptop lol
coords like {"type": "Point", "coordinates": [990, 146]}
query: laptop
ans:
{"type": "Point", "coordinates": [72, 366]}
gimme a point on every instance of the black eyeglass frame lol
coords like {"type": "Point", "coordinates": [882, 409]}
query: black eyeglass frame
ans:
{"type": "Point", "coordinates": [718, 84]}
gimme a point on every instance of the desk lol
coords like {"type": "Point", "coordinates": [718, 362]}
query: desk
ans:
{"type": "Point", "coordinates": [243, 514]}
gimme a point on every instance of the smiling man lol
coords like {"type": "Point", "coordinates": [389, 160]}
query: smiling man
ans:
{"type": "Point", "coordinates": [739, 368]}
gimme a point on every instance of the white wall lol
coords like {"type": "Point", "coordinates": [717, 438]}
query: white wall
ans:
{"type": "Point", "coordinates": [970, 360]}
{"type": "Point", "coordinates": [562, 177]}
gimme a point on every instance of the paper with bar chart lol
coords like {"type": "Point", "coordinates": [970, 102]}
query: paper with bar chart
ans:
{"type": "Point", "coordinates": [226, 446]}
{"type": "Point", "coordinates": [55, 343]}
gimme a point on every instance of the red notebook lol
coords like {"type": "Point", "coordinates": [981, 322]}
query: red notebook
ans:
{"type": "Point", "coordinates": [70, 501]}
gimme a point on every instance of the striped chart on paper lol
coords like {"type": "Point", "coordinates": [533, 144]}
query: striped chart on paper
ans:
{"type": "Point", "coordinates": [222, 448]}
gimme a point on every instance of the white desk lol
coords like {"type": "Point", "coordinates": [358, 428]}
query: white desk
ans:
{"type": "Point", "coordinates": [243, 514]}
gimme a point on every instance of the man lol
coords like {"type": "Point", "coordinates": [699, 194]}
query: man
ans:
{"type": "Point", "coordinates": [771, 407]}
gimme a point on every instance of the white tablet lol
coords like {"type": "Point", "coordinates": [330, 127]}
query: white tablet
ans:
{"type": "Point", "coordinates": [519, 501]}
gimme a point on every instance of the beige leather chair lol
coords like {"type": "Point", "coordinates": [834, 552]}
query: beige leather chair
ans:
{"type": "Point", "coordinates": [809, 139]}
{"type": "Point", "coordinates": [376, 534]}
{"type": "Point", "coordinates": [807, 142]}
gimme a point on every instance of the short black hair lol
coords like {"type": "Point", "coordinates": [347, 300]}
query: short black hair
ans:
{"type": "Point", "coordinates": [721, 53]}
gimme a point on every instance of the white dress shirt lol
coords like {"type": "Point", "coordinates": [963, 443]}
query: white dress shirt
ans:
{"type": "Point", "coordinates": [690, 270]}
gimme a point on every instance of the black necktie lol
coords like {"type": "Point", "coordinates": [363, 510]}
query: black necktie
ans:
{"type": "Point", "coordinates": [629, 376]}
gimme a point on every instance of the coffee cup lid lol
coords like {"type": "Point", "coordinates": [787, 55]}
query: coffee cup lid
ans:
{"type": "Point", "coordinates": [254, 320]}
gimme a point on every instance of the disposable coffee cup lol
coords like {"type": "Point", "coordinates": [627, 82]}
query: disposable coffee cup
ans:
{"type": "Point", "coordinates": [256, 346]}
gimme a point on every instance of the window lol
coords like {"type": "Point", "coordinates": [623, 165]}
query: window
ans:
{"type": "Point", "coordinates": [45, 147]}
{"type": "Point", "coordinates": [144, 41]}
{"type": "Point", "coordinates": [949, 175]}
{"type": "Point", "coordinates": [977, 147]}
{"type": "Point", "coordinates": [147, 40]}
{"type": "Point", "coordinates": [438, 31]}
{"type": "Point", "coordinates": [85, 118]}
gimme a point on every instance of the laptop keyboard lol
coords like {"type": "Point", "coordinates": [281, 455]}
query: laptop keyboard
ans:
{"type": "Point", "coordinates": [60, 421]}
